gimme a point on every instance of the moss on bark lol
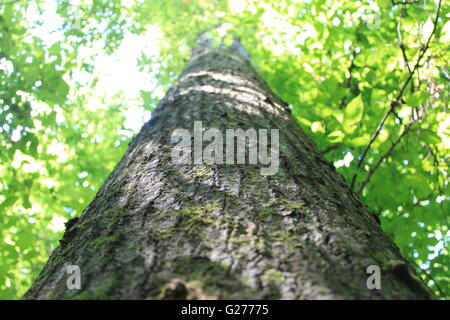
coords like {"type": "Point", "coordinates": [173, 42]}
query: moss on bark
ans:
{"type": "Point", "coordinates": [162, 231]}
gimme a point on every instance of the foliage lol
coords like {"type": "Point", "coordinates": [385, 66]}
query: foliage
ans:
{"type": "Point", "coordinates": [367, 80]}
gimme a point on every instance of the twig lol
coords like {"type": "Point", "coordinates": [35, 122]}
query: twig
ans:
{"type": "Point", "coordinates": [372, 139]}
{"type": "Point", "coordinates": [404, 2]}
{"type": "Point", "coordinates": [349, 79]}
{"type": "Point", "coordinates": [384, 156]}
{"type": "Point", "coordinates": [331, 148]}
{"type": "Point", "coordinates": [398, 101]}
{"type": "Point", "coordinates": [420, 271]}
{"type": "Point", "coordinates": [402, 47]}
{"type": "Point", "coordinates": [424, 50]}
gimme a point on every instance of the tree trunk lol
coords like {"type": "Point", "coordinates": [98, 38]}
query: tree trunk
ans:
{"type": "Point", "coordinates": [159, 230]}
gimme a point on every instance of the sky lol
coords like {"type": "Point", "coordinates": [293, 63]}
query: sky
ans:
{"type": "Point", "coordinates": [117, 73]}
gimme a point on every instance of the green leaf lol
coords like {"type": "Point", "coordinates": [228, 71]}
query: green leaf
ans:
{"type": "Point", "coordinates": [147, 98]}
{"type": "Point", "coordinates": [430, 137]}
{"type": "Point", "coordinates": [360, 141]}
{"type": "Point", "coordinates": [417, 98]}
{"type": "Point", "coordinates": [353, 113]}
{"type": "Point", "coordinates": [9, 201]}
{"type": "Point", "coordinates": [336, 136]}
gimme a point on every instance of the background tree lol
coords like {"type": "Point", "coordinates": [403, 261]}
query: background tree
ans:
{"type": "Point", "coordinates": [54, 113]}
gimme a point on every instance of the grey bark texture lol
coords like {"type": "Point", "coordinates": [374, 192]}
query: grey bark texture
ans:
{"type": "Point", "coordinates": [156, 230]}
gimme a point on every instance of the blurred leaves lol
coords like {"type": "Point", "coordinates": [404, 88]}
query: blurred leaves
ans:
{"type": "Point", "coordinates": [353, 114]}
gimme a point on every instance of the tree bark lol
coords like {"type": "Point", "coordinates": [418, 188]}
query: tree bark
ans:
{"type": "Point", "coordinates": [156, 230]}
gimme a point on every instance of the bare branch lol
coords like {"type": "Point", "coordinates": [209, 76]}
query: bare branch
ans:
{"type": "Point", "coordinates": [384, 156]}
{"type": "Point", "coordinates": [402, 47]}
{"type": "Point", "coordinates": [331, 148]}
{"type": "Point", "coordinates": [426, 272]}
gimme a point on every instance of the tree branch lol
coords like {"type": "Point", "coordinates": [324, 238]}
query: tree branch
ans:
{"type": "Point", "coordinates": [349, 79]}
{"type": "Point", "coordinates": [402, 47]}
{"type": "Point", "coordinates": [331, 148]}
{"type": "Point", "coordinates": [384, 156]}
{"type": "Point", "coordinates": [404, 2]}
{"type": "Point", "coordinates": [420, 270]}
{"type": "Point", "coordinates": [398, 101]}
